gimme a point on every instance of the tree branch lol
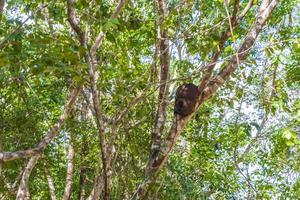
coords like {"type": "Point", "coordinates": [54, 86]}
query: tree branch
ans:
{"type": "Point", "coordinates": [118, 8]}
{"type": "Point", "coordinates": [50, 184]}
{"type": "Point", "coordinates": [235, 11]}
{"type": "Point", "coordinates": [70, 172]}
{"type": "Point", "coordinates": [92, 61]}
{"type": "Point", "coordinates": [74, 22]}
{"type": "Point", "coordinates": [4, 42]}
{"type": "Point", "coordinates": [23, 192]}
{"type": "Point", "coordinates": [100, 36]}
{"type": "Point", "coordinates": [242, 52]}
{"type": "Point", "coordinates": [164, 57]}
{"type": "Point", "coordinates": [233, 23]}
{"type": "Point", "coordinates": [246, 9]}
{"type": "Point", "coordinates": [96, 102]}
{"type": "Point", "coordinates": [156, 163]}
{"type": "Point", "coordinates": [7, 156]}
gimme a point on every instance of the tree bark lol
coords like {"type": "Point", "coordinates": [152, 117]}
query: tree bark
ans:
{"type": "Point", "coordinates": [50, 185]}
{"type": "Point", "coordinates": [70, 172]}
{"type": "Point", "coordinates": [164, 57]}
{"type": "Point", "coordinates": [97, 188]}
{"type": "Point", "coordinates": [91, 59]}
{"type": "Point", "coordinates": [75, 23]}
{"type": "Point", "coordinates": [82, 181]}
{"type": "Point", "coordinates": [83, 168]}
{"type": "Point", "coordinates": [23, 191]}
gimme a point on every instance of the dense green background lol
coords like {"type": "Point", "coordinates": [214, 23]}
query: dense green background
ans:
{"type": "Point", "coordinates": [210, 159]}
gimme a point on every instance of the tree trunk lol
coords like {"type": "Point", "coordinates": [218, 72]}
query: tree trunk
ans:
{"type": "Point", "coordinates": [50, 185]}
{"type": "Point", "coordinates": [70, 172]}
{"type": "Point", "coordinates": [23, 192]}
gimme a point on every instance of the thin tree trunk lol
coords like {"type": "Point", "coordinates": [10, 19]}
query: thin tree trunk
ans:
{"type": "Point", "coordinates": [50, 185]}
{"type": "Point", "coordinates": [97, 188]}
{"type": "Point", "coordinates": [82, 181]}
{"type": "Point", "coordinates": [163, 96]}
{"type": "Point", "coordinates": [23, 191]}
{"type": "Point", "coordinates": [70, 172]}
{"type": "Point", "coordinates": [83, 169]}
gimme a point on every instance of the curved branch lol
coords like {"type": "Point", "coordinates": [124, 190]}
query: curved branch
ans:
{"type": "Point", "coordinates": [246, 9]}
{"type": "Point", "coordinates": [7, 156]}
{"type": "Point", "coordinates": [23, 192]}
{"type": "Point", "coordinates": [74, 22]}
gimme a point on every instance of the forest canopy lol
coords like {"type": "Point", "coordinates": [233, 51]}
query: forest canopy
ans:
{"type": "Point", "coordinates": [89, 106]}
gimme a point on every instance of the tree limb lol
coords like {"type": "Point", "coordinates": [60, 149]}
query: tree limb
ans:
{"type": "Point", "coordinates": [233, 23]}
{"type": "Point", "coordinates": [50, 184]}
{"type": "Point", "coordinates": [75, 23]}
{"type": "Point", "coordinates": [70, 172]}
{"type": "Point", "coordinates": [23, 192]}
{"type": "Point", "coordinates": [4, 42]}
{"type": "Point", "coordinates": [92, 60]}
{"type": "Point", "coordinates": [118, 8]}
{"type": "Point", "coordinates": [100, 36]}
{"type": "Point", "coordinates": [7, 156]}
{"type": "Point", "coordinates": [246, 9]}
{"type": "Point", "coordinates": [164, 57]}
{"type": "Point", "coordinates": [242, 52]}
{"type": "Point", "coordinates": [156, 163]}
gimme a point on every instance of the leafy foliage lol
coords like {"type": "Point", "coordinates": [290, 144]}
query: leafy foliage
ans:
{"type": "Point", "coordinates": [244, 142]}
